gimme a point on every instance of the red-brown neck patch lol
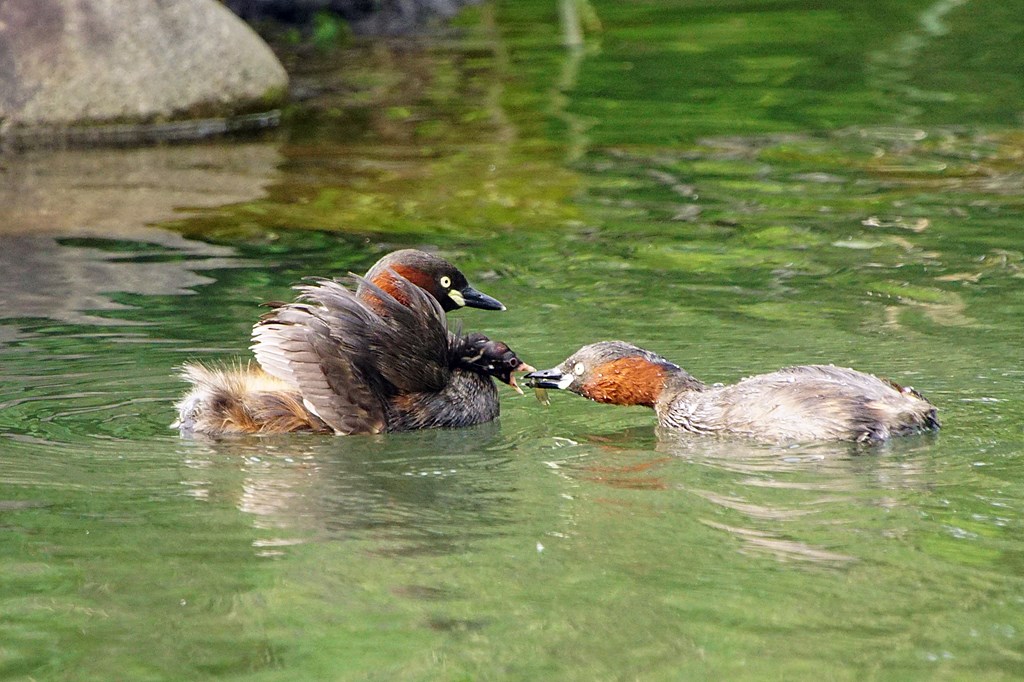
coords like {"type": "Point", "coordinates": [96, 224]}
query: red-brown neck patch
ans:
{"type": "Point", "coordinates": [386, 281]}
{"type": "Point", "coordinates": [629, 381]}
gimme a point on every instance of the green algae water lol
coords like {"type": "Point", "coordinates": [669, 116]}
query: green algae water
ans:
{"type": "Point", "coordinates": [736, 186]}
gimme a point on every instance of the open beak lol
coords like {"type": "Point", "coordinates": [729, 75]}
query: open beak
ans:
{"type": "Point", "coordinates": [511, 380]}
{"type": "Point", "coordinates": [471, 298]}
{"type": "Point", "coordinates": [548, 378]}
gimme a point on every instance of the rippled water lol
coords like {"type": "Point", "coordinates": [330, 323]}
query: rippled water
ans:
{"type": "Point", "coordinates": [737, 188]}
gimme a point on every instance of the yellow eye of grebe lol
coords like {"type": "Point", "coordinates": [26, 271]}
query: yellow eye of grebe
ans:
{"type": "Point", "coordinates": [446, 281]}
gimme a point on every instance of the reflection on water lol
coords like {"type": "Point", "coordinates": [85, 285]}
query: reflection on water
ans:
{"type": "Point", "coordinates": [891, 69]}
{"type": "Point", "coordinates": [50, 276]}
{"type": "Point", "coordinates": [758, 541]}
{"type": "Point", "coordinates": [117, 193]}
{"type": "Point", "coordinates": [766, 497]}
{"type": "Point", "coordinates": [778, 491]}
{"type": "Point", "coordinates": [77, 224]}
{"type": "Point", "coordinates": [408, 501]}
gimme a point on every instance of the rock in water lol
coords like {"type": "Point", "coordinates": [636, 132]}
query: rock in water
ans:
{"type": "Point", "coordinates": [74, 63]}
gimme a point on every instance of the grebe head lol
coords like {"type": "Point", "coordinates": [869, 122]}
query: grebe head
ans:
{"type": "Point", "coordinates": [613, 372]}
{"type": "Point", "coordinates": [433, 274]}
{"type": "Point", "coordinates": [493, 358]}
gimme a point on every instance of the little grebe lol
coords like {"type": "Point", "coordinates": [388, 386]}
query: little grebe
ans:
{"type": "Point", "coordinates": [804, 403]}
{"type": "Point", "coordinates": [380, 359]}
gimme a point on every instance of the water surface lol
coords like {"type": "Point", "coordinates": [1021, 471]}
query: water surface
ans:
{"type": "Point", "coordinates": [738, 187]}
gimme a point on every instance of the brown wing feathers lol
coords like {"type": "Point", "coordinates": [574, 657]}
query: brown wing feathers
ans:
{"type": "Point", "coordinates": [410, 344]}
{"type": "Point", "coordinates": [345, 358]}
{"type": "Point", "coordinates": [313, 345]}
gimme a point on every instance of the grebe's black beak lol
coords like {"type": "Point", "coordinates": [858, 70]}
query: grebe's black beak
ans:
{"type": "Point", "coordinates": [552, 378]}
{"type": "Point", "coordinates": [471, 298]}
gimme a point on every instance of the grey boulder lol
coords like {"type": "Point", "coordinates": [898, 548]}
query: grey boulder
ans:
{"type": "Point", "coordinates": [74, 63]}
